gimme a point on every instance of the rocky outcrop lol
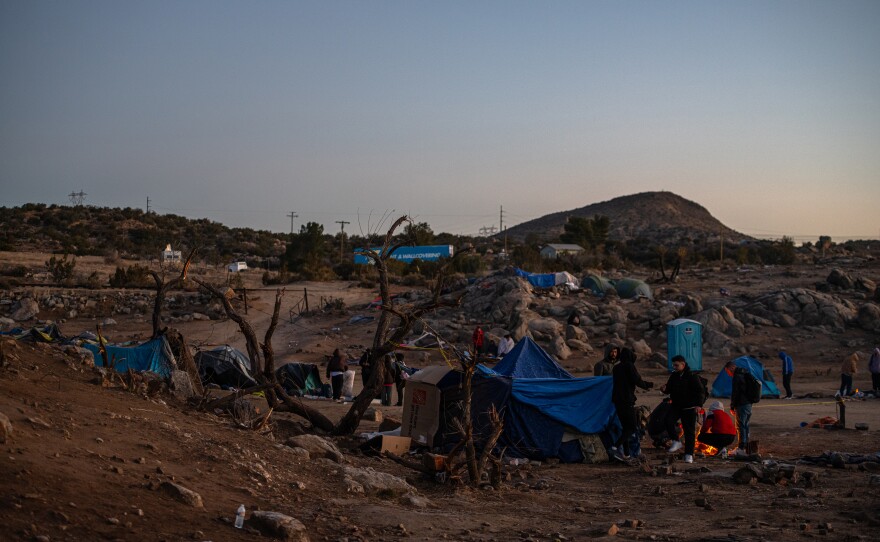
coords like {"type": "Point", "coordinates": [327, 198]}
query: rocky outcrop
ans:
{"type": "Point", "coordinates": [805, 307]}
{"type": "Point", "coordinates": [26, 309]}
{"type": "Point", "coordinates": [316, 446]}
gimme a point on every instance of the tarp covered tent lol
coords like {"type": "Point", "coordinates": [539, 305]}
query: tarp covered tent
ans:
{"type": "Point", "coordinates": [154, 356]}
{"type": "Point", "coordinates": [300, 378]}
{"type": "Point", "coordinates": [631, 288]}
{"type": "Point", "coordinates": [224, 366]}
{"type": "Point", "coordinates": [597, 284]}
{"type": "Point", "coordinates": [543, 416]}
{"type": "Point", "coordinates": [548, 280]}
{"type": "Point", "coordinates": [722, 386]}
{"type": "Point", "coordinates": [425, 340]}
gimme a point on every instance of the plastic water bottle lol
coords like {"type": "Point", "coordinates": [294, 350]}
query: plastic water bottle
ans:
{"type": "Point", "coordinates": [239, 517]}
{"type": "Point", "coordinates": [724, 453]}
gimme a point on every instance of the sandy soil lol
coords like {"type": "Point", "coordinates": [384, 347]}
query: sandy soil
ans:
{"type": "Point", "coordinates": [84, 462]}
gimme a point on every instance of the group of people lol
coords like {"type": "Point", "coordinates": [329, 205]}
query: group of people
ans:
{"type": "Point", "coordinates": [687, 394]}
{"type": "Point", "coordinates": [482, 345]}
{"type": "Point", "coordinates": [395, 371]}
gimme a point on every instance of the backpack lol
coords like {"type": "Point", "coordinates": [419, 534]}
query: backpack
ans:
{"type": "Point", "coordinates": [751, 388]}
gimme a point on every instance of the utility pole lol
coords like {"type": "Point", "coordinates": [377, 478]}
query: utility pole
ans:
{"type": "Point", "coordinates": [292, 215]}
{"type": "Point", "coordinates": [148, 204]}
{"type": "Point", "coordinates": [501, 219]}
{"type": "Point", "coordinates": [342, 224]}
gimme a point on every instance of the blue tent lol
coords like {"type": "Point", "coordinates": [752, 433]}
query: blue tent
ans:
{"type": "Point", "coordinates": [528, 360]}
{"type": "Point", "coordinates": [723, 382]}
{"type": "Point", "coordinates": [539, 401]}
{"type": "Point", "coordinates": [154, 356]}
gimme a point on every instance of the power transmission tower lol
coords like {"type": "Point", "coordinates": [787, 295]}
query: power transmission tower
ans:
{"type": "Point", "coordinates": [77, 198]}
{"type": "Point", "coordinates": [487, 230]}
{"type": "Point", "coordinates": [292, 215]}
{"type": "Point", "coordinates": [342, 224]}
{"type": "Point", "coordinates": [501, 219]}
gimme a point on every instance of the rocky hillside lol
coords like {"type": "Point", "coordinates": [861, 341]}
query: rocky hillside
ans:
{"type": "Point", "coordinates": [658, 217]}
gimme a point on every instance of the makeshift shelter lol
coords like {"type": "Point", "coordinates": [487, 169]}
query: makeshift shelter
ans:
{"type": "Point", "coordinates": [632, 288]}
{"type": "Point", "coordinates": [37, 334]}
{"type": "Point", "coordinates": [597, 284]}
{"type": "Point", "coordinates": [154, 356]}
{"type": "Point", "coordinates": [300, 379]}
{"type": "Point", "coordinates": [685, 338]}
{"type": "Point", "coordinates": [226, 367]}
{"type": "Point", "coordinates": [722, 386]}
{"type": "Point", "coordinates": [425, 340]}
{"type": "Point", "coordinates": [546, 414]}
{"type": "Point", "coordinates": [548, 280]}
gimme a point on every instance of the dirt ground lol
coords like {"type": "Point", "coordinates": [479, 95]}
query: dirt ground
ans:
{"type": "Point", "coordinates": [84, 462]}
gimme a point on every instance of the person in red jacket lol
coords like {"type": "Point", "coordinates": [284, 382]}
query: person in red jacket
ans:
{"type": "Point", "coordinates": [718, 430]}
{"type": "Point", "coordinates": [478, 340]}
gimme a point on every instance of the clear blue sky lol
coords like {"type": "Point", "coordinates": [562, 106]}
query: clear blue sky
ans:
{"type": "Point", "coordinates": [767, 112]}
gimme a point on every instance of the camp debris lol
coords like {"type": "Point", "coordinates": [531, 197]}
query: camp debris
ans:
{"type": "Point", "coordinates": [549, 280]}
{"type": "Point", "coordinates": [625, 288]}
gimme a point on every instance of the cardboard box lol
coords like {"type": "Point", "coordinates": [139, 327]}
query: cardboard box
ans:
{"type": "Point", "coordinates": [395, 445]}
{"type": "Point", "coordinates": [421, 405]}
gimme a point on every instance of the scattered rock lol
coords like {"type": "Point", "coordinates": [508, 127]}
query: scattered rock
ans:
{"type": "Point", "coordinates": [182, 494]}
{"type": "Point", "coordinates": [279, 525]}
{"type": "Point", "coordinates": [316, 446]}
{"type": "Point", "coordinates": [371, 481]}
{"type": "Point", "coordinates": [26, 308]}
{"type": "Point", "coordinates": [5, 428]}
{"type": "Point", "coordinates": [181, 385]}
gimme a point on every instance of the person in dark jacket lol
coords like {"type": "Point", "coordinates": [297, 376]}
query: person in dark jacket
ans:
{"type": "Point", "coordinates": [366, 364]}
{"type": "Point", "coordinates": [336, 373]}
{"type": "Point", "coordinates": [740, 404]}
{"type": "Point", "coordinates": [605, 367]}
{"type": "Point", "coordinates": [399, 379]}
{"type": "Point", "coordinates": [684, 390]}
{"type": "Point", "coordinates": [388, 384]}
{"type": "Point", "coordinates": [623, 395]}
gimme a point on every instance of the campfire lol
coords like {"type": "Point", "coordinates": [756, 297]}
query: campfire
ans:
{"type": "Point", "coordinates": [705, 449]}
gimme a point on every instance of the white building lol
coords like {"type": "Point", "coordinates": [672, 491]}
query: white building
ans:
{"type": "Point", "coordinates": [235, 267]}
{"type": "Point", "coordinates": [170, 256]}
{"type": "Point", "coordinates": [554, 251]}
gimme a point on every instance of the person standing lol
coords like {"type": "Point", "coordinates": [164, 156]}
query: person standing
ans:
{"type": "Point", "coordinates": [605, 367]}
{"type": "Point", "coordinates": [874, 367]}
{"type": "Point", "coordinates": [336, 373]}
{"type": "Point", "coordinates": [849, 368]}
{"type": "Point", "coordinates": [718, 428]}
{"type": "Point", "coordinates": [388, 384]}
{"type": "Point", "coordinates": [623, 395]}
{"type": "Point", "coordinates": [477, 339]}
{"type": "Point", "coordinates": [684, 389]}
{"type": "Point", "coordinates": [400, 376]}
{"type": "Point", "coordinates": [740, 403]}
{"type": "Point", "coordinates": [366, 363]}
{"type": "Point", "coordinates": [787, 372]}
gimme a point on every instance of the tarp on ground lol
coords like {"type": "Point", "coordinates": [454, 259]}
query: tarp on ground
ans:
{"type": "Point", "coordinates": [37, 334]}
{"type": "Point", "coordinates": [548, 280]}
{"type": "Point", "coordinates": [154, 356]}
{"type": "Point", "coordinates": [723, 384]}
{"type": "Point", "coordinates": [537, 412]}
{"type": "Point", "coordinates": [300, 378]}
{"type": "Point", "coordinates": [630, 288]}
{"type": "Point", "coordinates": [597, 284]}
{"type": "Point", "coordinates": [226, 367]}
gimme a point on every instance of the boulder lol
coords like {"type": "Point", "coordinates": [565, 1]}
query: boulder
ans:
{"type": "Point", "coordinates": [558, 348]}
{"type": "Point", "coordinates": [545, 326]}
{"type": "Point", "coordinates": [869, 317]}
{"type": "Point", "coordinates": [580, 346]}
{"type": "Point", "coordinates": [575, 332]}
{"type": "Point", "coordinates": [26, 309]}
{"type": "Point", "coordinates": [278, 525]}
{"type": "Point", "coordinates": [181, 385]}
{"type": "Point", "coordinates": [5, 428]}
{"type": "Point", "coordinates": [865, 285]}
{"type": "Point", "coordinates": [840, 279]}
{"type": "Point", "coordinates": [6, 324]}
{"type": "Point", "coordinates": [371, 481]}
{"type": "Point", "coordinates": [639, 347]}
{"type": "Point", "coordinates": [316, 446]}
{"type": "Point", "coordinates": [182, 494]}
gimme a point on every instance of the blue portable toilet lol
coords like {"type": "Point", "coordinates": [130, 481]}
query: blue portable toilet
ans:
{"type": "Point", "coordinates": [685, 337]}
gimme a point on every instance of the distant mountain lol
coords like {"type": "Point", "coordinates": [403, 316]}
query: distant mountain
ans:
{"type": "Point", "coordinates": [656, 217]}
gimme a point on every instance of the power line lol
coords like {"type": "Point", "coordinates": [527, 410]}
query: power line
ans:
{"type": "Point", "coordinates": [77, 198]}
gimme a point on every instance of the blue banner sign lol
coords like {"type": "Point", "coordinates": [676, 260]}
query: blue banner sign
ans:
{"type": "Point", "coordinates": [408, 254]}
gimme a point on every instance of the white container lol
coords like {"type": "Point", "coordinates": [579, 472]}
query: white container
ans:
{"type": "Point", "coordinates": [239, 517]}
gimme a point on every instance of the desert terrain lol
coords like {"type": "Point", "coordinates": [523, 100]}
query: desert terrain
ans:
{"type": "Point", "coordinates": [86, 462]}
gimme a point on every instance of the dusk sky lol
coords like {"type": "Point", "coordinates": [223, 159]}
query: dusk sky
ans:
{"type": "Point", "coordinates": [767, 113]}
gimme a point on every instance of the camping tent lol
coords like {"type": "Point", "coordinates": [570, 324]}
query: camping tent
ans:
{"type": "Point", "coordinates": [224, 366]}
{"type": "Point", "coordinates": [632, 288]}
{"type": "Point", "coordinates": [37, 334]}
{"type": "Point", "coordinates": [154, 356]}
{"type": "Point", "coordinates": [723, 382]}
{"type": "Point", "coordinates": [597, 284]}
{"type": "Point", "coordinates": [548, 280]}
{"type": "Point", "coordinates": [544, 414]}
{"type": "Point", "coordinates": [300, 378]}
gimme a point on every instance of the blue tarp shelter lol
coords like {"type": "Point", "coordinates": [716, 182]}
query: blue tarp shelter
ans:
{"type": "Point", "coordinates": [154, 356]}
{"type": "Point", "coordinates": [539, 401]}
{"type": "Point", "coordinates": [722, 385]}
{"type": "Point", "coordinates": [547, 280]}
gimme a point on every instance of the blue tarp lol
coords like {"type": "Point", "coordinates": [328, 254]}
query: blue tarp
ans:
{"type": "Point", "coordinates": [528, 360]}
{"type": "Point", "coordinates": [537, 412]}
{"type": "Point", "coordinates": [542, 280]}
{"type": "Point", "coordinates": [723, 384]}
{"type": "Point", "coordinates": [154, 356]}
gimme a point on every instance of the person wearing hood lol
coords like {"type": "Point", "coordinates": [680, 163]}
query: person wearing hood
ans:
{"type": "Point", "coordinates": [849, 368]}
{"type": "Point", "coordinates": [787, 372]}
{"type": "Point", "coordinates": [874, 367]}
{"type": "Point", "coordinates": [684, 390]}
{"type": "Point", "coordinates": [623, 395]}
{"type": "Point", "coordinates": [606, 366]}
{"type": "Point", "coordinates": [718, 429]}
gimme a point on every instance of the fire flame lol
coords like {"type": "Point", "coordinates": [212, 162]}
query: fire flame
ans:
{"type": "Point", "coordinates": [705, 449]}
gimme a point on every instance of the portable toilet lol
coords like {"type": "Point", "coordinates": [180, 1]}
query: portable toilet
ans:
{"type": "Point", "coordinates": [685, 338]}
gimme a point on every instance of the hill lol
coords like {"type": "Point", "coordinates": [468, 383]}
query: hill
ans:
{"type": "Point", "coordinates": [658, 217]}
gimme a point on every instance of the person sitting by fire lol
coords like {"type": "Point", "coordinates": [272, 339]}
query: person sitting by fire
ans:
{"type": "Point", "coordinates": [718, 430]}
